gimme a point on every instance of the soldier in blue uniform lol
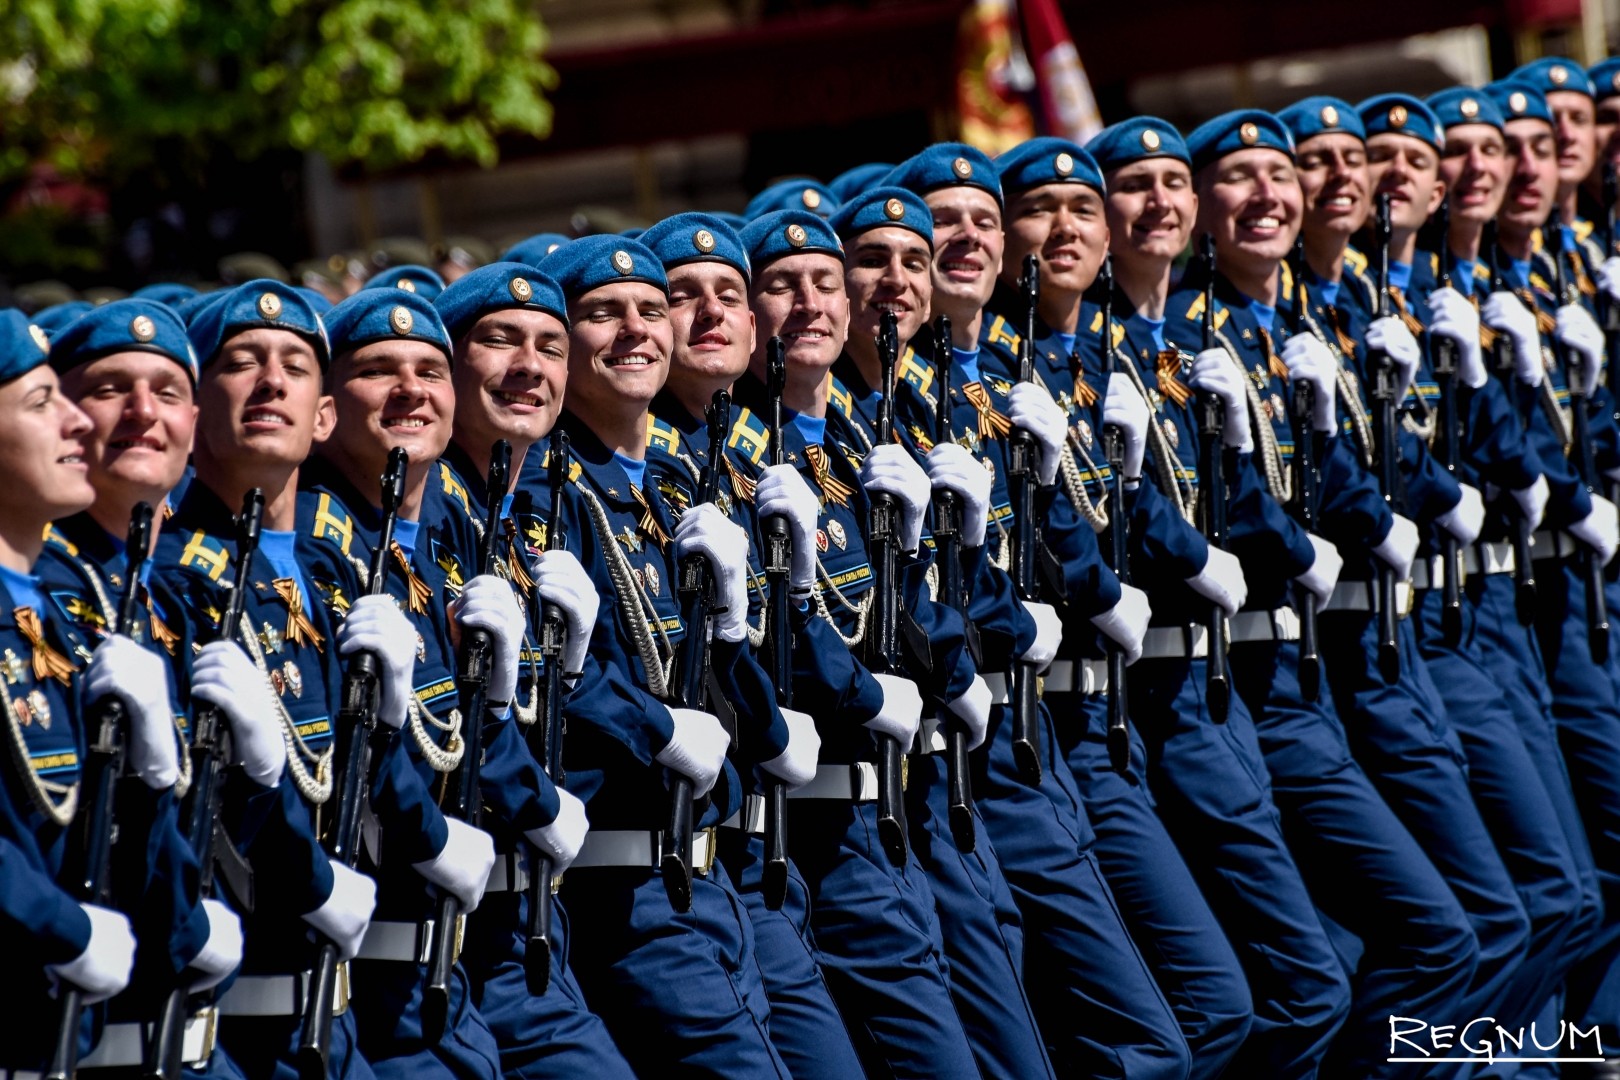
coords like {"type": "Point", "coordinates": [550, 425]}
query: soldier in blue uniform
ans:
{"type": "Point", "coordinates": [509, 326]}
{"type": "Point", "coordinates": [794, 193]}
{"type": "Point", "coordinates": [694, 975]}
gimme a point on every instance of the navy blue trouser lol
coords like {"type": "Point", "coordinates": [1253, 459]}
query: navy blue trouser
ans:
{"type": "Point", "coordinates": [1099, 1009]}
{"type": "Point", "coordinates": [387, 1010]}
{"type": "Point", "coordinates": [1398, 732]}
{"type": "Point", "coordinates": [983, 934]}
{"type": "Point", "coordinates": [681, 993]}
{"type": "Point", "coordinates": [1213, 792]}
{"type": "Point", "coordinates": [806, 1027]}
{"type": "Point", "coordinates": [1178, 935]}
{"type": "Point", "coordinates": [878, 943]}
{"type": "Point", "coordinates": [266, 1048]}
{"type": "Point", "coordinates": [550, 1037]}
{"type": "Point", "coordinates": [1364, 870]}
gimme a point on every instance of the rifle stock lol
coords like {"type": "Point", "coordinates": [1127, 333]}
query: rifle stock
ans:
{"type": "Point", "coordinates": [1384, 428]}
{"type": "Point", "coordinates": [1022, 482]}
{"type": "Point", "coordinates": [1212, 484]}
{"type": "Point", "coordinates": [1306, 481]}
{"type": "Point", "coordinates": [778, 634]}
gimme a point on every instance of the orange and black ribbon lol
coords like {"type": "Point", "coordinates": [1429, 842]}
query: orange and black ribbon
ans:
{"type": "Point", "coordinates": [299, 631]}
{"type": "Point", "coordinates": [48, 663]}
{"type": "Point", "coordinates": [516, 566]}
{"type": "Point", "coordinates": [993, 424]}
{"type": "Point", "coordinates": [1274, 362]}
{"type": "Point", "coordinates": [1166, 369]}
{"type": "Point", "coordinates": [832, 489]}
{"type": "Point", "coordinates": [648, 521]}
{"type": "Point", "coordinates": [1407, 317]}
{"type": "Point", "coordinates": [417, 592]}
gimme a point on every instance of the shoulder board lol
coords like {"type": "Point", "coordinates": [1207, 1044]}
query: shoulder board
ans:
{"type": "Point", "coordinates": [1096, 321]}
{"type": "Point", "coordinates": [749, 436]}
{"type": "Point", "coordinates": [205, 554]}
{"type": "Point", "coordinates": [662, 436]}
{"type": "Point", "coordinates": [54, 537]}
{"type": "Point", "coordinates": [1539, 282]}
{"type": "Point", "coordinates": [1583, 229]}
{"type": "Point", "coordinates": [1196, 311]}
{"type": "Point", "coordinates": [914, 371]}
{"type": "Point", "coordinates": [1002, 333]}
{"type": "Point", "coordinates": [1482, 272]}
{"type": "Point", "coordinates": [1434, 263]}
{"type": "Point", "coordinates": [1119, 327]}
{"type": "Point", "coordinates": [453, 488]}
{"type": "Point", "coordinates": [1285, 286]}
{"type": "Point", "coordinates": [1536, 244]}
{"type": "Point", "coordinates": [841, 399]}
{"type": "Point", "coordinates": [1355, 260]}
{"type": "Point", "coordinates": [332, 522]}
{"type": "Point", "coordinates": [574, 467]}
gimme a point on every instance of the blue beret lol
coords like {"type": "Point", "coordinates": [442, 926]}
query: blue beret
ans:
{"type": "Point", "coordinates": [188, 309]}
{"type": "Point", "coordinates": [945, 165]}
{"type": "Point", "coordinates": [877, 207]}
{"type": "Point", "coordinates": [23, 345]}
{"type": "Point", "coordinates": [1322, 115]}
{"type": "Point", "coordinates": [1402, 114]}
{"type": "Point", "coordinates": [736, 221]}
{"type": "Point", "coordinates": [262, 302]}
{"type": "Point", "coordinates": [1605, 76]}
{"type": "Point", "coordinates": [1551, 74]}
{"type": "Point", "coordinates": [1242, 129]}
{"type": "Point", "coordinates": [1046, 160]}
{"type": "Point", "coordinates": [529, 252]}
{"type": "Point", "coordinates": [694, 237]}
{"type": "Point", "coordinates": [385, 315]}
{"type": "Point", "coordinates": [411, 278]}
{"type": "Point", "coordinates": [593, 261]}
{"type": "Point", "coordinates": [851, 182]}
{"type": "Point", "coordinates": [1464, 105]}
{"type": "Point", "coordinates": [1134, 140]}
{"type": "Point", "coordinates": [1518, 100]}
{"type": "Point", "coordinates": [317, 299]}
{"type": "Point", "coordinates": [166, 292]}
{"type": "Point", "coordinates": [632, 233]}
{"type": "Point", "coordinates": [498, 287]}
{"type": "Point", "coordinates": [789, 232]}
{"type": "Point", "coordinates": [54, 318]}
{"type": "Point", "coordinates": [124, 326]}
{"type": "Point", "coordinates": [799, 193]}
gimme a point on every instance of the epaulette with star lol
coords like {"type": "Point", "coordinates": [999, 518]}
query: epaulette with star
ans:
{"type": "Point", "coordinates": [332, 523]}
{"type": "Point", "coordinates": [749, 436]}
{"type": "Point", "coordinates": [662, 436]}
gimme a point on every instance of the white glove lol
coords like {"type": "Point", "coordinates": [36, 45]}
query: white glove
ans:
{"type": "Point", "coordinates": [697, 749]}
{"type": "Point", "coordinates": [563, 838]}
{"type": "Point", "coordinates": [1583, 339]}
{"type": "Point", "coordinates": [344, 917]}
{"type": "Point", "coordinates": [1506, 314]}
{"type": "Point", "coordinates": [707, 531]}
{"type": "Point", "coordinates": [1048, 634]}
{"type": "Point", "coordinates": [1323, 573]}
{"type": "Point", "coordinates": [796, 765]}
{"type": "Point", "coordinates": [1532, 502]}
{"type": "Point", "coordinates": [488, 603]}
{"type": "Point", "coordinates": [1599, 530]}
{"type": "Point", "coordinates": [139, 678]}
{"type": "Point", "coordinates": [564, 582]}
{"type": "Point", "coordinates": [901, 714]}
{"type": "Point", "coordinates": [375, 624]}
{"type": "Point", "coordinates": [1467, 518]}
{"type": "Point", "coordinates": [1390, 335]}
{"type": "Point", "coordinates": [1453, 317]}
{"type": "Point", "coordinates": [102, 970]}
{"type": "Point", "coordinates": [1215, 370]}
{"type": "Point", "coordinates": [223, 675]}
{"type": "Point", "coordinates": [782, 492]}
{"type": "Point", "coordinates": [222, 953]}
{"type": "Point", "coordinates": [1399, 548]}
{"type": "Point", "coordinates": [1124, 408]}
{"type": "Point", "coordinates": [462, 867]}
{"type": "Point", "coordinates": [1608, 278]}
{"type": "Point", "coordinates": [1221, 581]}
{"type": "Point", "coordinates": [1308, 360]}
{"type": "Point", "coordinates": [973, 709]}
{"type": "Point", "coordinates": [892, 469]}
{"type": "Point", "coordinates": [1126, 622]}
{"type": "Point", "coordinates": [954, 468]}
{"type": "Point", "coordinates": [1032, 409]}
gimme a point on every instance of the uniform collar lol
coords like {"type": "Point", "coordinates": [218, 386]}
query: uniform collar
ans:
{"type": "Point", "coordinates": [596, 461]}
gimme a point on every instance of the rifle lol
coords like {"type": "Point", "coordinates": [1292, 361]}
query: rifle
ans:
{"type": "Point", "coordinates": [106, 729]}
{"type": "Point", "coordinates": [1385, 432]}
{"type": "Point", "coordinates": [553, 635]}
{"type": "Point", "coordinates": [690, 685]}
{"type": "Point", "coordinates": [953, 592]}
{"type": "Point", "coordinates": [1597, 608]}
{"type": "Point", "coordinates": [1212, 484]}
{"type": "Point", "coordinates": [1113, 440]}
{"type": "Point", "coordinates": [778, 634]}
{"type": "Point", "coordinates": [461, 799]}
{"type": "Point", "coordinates": [1021, 484]}
{"type": "Point", "coordinates": [1444, 352]}
{"type": "Point", "coordinates": [1609, 310]}
{"type": "Point", "coordinates": [210, 756]}
{"type": "Point", "coordinates": [355, 729]}
{"type": "Point", "coordinates": [1306, 479]}
{"type": "Point", "coordinates": [884, 628]}
{"type": "Point", "coordinates": [1524, 575]}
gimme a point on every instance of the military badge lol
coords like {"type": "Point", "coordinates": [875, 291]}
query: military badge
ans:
{"type": "Point", "coordinates": [1082, 432]}
{"type": "Point", "coordinates": [821, 540]}
{"type": "Point", "coordinates": [835, 533]}
{"type": "Point", "coordinates": [1172, 434]}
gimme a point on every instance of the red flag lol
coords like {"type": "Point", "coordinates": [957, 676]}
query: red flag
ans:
{"type": "Point", "coordinates": [1067, 108]}
{"type": "Point", "coordinates": [992, 79]}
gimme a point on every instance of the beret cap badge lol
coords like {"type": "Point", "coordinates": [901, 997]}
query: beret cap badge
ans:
{"type": "Point", "coordinates": [1517, 102]}
{"type": "Point", "coordinates": [1063, 164]}
{"type": "Point", "coordinates": [1559, 74]}
{"type": "Point", "coordinates": [39, 337]}
{"type": "Point", "coordinates": [811, 198]}
{"type": "Point", "coordinates": [1330, 116]}
{"type": "Point", "coordinates": [407, 284]}
{"type": "Point", "coordinates": [894, 209]}
{"type": "Point", "coordinates": [142, 329]}
{"type": "Point", "coordinates": [269, 305]}
{"type": "Point", "coordinates": [703, 240]}
{"type": "Point", "coordinates": [1397, 116]}
{"type": "Point", "coordinates": [1249, 133]}
{"type": "Point", "coordinates": [521, 289]}
{"type": "Point", "coordinates": [962, 167]}
{"type": "Point", "coordinates": [1150, 139]}
{"type": "Point", "coordinates": [1468, 107]}
{"type": "Point", "coordinates": [796, 235]}
{"type": "Point", "coordinates": [401, 320]}
{"type": "Point", "coordinates": [622, 262]}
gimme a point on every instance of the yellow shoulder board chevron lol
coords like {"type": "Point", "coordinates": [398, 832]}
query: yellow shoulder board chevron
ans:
{"type": "Point", "coordinates": [1195, 313]}
{"type": "Point", "coordinates": [662, 436]}
{"type": "Point", "coordinates": [841, 399]}
{"type": "Point", "coordinates": [202, 552]}
{"type": "Point", "coordinates": [1002, 333]}
{"type": "Point", "coordinates": [54, 537]}
{"type": "Point", "coordinates": [332, 522]}
{"type": "Point", "coordinates": [749, 436]}
{"type": "Point", "coordinates": [1355, 260]}
{"type": "Point", "coordinates": [452, 487]}
{"type": "Point", "coordinates": [915, 371]}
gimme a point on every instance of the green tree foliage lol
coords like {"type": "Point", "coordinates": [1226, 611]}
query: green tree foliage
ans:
{"type": "Point", "coordinates": [99, 87]}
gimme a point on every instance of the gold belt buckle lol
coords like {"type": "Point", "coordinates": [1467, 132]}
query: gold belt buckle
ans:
{"type": "Point", "coordinates": [709, 852]}
{"type": "Point", "coordinates": [461, 934]}
{"type": "Point", "coordinates": [340, 995]}
{"type": "Point", "coordinates": [210, 1021]}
